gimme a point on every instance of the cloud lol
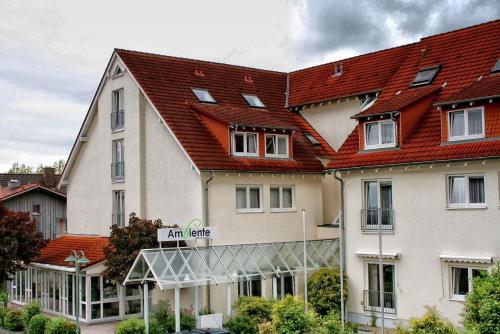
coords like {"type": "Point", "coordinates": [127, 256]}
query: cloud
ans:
{"type": "Point", "coordinates": [333, 29]}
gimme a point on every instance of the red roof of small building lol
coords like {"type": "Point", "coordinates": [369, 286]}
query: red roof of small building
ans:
{"type": "Point", "coordinates": [57, 250]}
{"type": "Point", "coordinates": [6, 193]}
{"type": "Point", "coordinates": [464, 55]}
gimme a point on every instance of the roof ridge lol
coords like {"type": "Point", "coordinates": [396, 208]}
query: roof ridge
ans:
{"type": "Point", "coordinates": [200, 60]}
{"type": "Point", "coordinates": [460, 29]}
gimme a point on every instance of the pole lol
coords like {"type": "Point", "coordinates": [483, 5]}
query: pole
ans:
{"type": "Point", "coordinates": [342, 307]}
{"type": "Point", "coordinates": [177, 310]}
{"type": "Point", "coordinates": [229, 287]}
{"type": "Point", "coordinates": [305, 258]}
{"type": "Point", "coordinates": [197, 305]}
{"type": "Point", "coordinates": [381, 268]}
{"type": "Point", "coordinates": [146, 307]}
{"type": "Point", "coordinates": [77, 308]}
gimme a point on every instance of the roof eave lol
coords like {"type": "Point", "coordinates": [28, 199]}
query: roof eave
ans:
{"type": "Point", "coordinates": [444, 103]}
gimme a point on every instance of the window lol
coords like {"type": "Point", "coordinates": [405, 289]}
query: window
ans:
{"type": "Point", "coordinates": [425, 76]}
{"type": "Point", "coordinates": [372, 295]}
{"type": "Point", "coordinates": [117, 166]}
{"type": "Point", "coordinates": [245, 144]}
{"type": "Point", "coordinates": [282, 198]}
{"type": "Point", "coordinates": [253, 101]}
{"type": "Point", "coordinates": [119, 208]}
{"type": "Point", "coordinates": [203, 95]}
{"type": "Point", "coordinates": [283, 286]}
{"type": "Point", "coordinates": [311, 139]}
{"type": "Point", "coordinates": [466, 124]}
{"type": "Point", "coordinates": [118, 72]}
{"type": "Point", "coordinates": [104, 300]}
{"type": "Point", "coordinates": [380, 134]}
{"type": "Point", "coordinates": [250, 288]}
{"type": "Point", "coordinates": [249, 199]}
{"type": "Point", "coordinates": [117, 114]}
{"type": "Point", "coordinates": [466, 191]}
{"type": "Point", "coordinates": [277, 146]}
{"type": "Point", "coordinates": [461, 281]}
{"type": "Point", "coordinates": [496, 68]}
{"type": "Point", "coordinates": [36, 209]}
{"type": "Point", "coordinates": [377, 205]}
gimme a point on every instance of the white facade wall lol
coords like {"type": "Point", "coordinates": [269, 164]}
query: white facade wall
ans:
{"type": "Point", "coordinates": [424, 229]}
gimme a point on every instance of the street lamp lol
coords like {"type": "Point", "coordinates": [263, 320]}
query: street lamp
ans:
{"type": "Point", "coordinates": [78, 258]}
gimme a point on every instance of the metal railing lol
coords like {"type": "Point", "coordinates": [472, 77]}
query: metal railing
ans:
{"type": "Point", "coordinates": [371, 217]}
{"type": "Point", "coordinates": [371, 301]}
{"type": "Point", "coordinates": [118, 170]}
{"type": "Point", "coordinates": [118, 219]}
{"type": "Point", "coordinates": [117, 119]}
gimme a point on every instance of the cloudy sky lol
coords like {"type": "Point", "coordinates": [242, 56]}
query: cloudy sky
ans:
{"type": "Point", "coordinates": [53, 52]}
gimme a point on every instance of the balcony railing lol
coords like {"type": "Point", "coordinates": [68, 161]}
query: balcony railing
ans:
{"type": "Point", "coordinates": [117, 119]}
{"type": "Point", "coordinates": [370, 219]}
{"type": "Point", "coordinates": [371, 302]}
{"type": "Point", "coordinates": [118, 219]}
{"type": "Point", "coordinates": [117, 171]}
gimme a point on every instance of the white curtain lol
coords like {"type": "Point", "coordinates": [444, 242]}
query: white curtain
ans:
{"type": "Point", "coordinates": [241, 198]}
{"type": "Point", "coordinates": [282, 145]}
{"type": "Point", "coordinates": [476, 189]}
{"type": "Point", "coordinates": [460, 281]}
{"type": "Point", "coordinates": [254, 198]}
{"type": "Point", "coordinates": [275, 198]}
{"type": "Point", "coordinates": [251, 143]}
{"type": "Point", "coordinates": [387, 133]}
{"type": "Point", "coordinates": [475, 119]}
{"type": "Point", "coordinates": [373, 284]}
{"type": "Point", "coordinates": [457, 189]}
{"type": "Point", "coordinates": [386, 202]}
{"type": "Point", "coordinates": [372, 133]}
{"type": "Point", "coordinates": [270, 144]}
{"type": "Point", "coordinates": [457, 123]}
{"type": "Point", "coordinates": [371, 194]}
{"type": "Point", "coordinates": [287, 197]}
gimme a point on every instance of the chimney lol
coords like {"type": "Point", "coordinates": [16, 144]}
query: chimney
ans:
{"type": "Point", "coordinates": [14, 183]}
{"type": "Point", "coordinates": [49, 176]}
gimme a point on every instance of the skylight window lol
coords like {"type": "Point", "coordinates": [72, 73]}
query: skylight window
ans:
{"type": "Point", "coordinates": [496, 68]}
{"type": "Point", "coordinates": [311, 139]}
{"type": "Point", "coordinates": [253, 101]}
{"type": "Point", "coordinates": [203, 95]}
{"type": "Point", "coordinates": [425, 77]}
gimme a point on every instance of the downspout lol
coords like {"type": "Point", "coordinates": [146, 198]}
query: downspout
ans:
{"type": "Point", "coordinates": [342, 249]}
{"type": "Point", "coordinates": [206, 222]}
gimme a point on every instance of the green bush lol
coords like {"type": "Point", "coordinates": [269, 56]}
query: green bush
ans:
{"type": "Point", "coordinates": [37, 324]}
{"type": "Point", "coordinates": [13, 320]}
{"type": "Point", "coordinates": [332, 324]}
{"type": "Point", "coordinates": [4, 298]}
{"type": "Point", "coordinates": [131, 326]}
{"type": "Point", "coordinates": [482, 306]}
{"type": "Point", "coordinates": [431, 323]}
{"type": "Point", "coordinates": [30, 310]}
{"type": "Point", "coordinates": [323, 290]}
{"type": "Point", "coordinates": [188, 321]}
{"type": "Point", "coordinates": [59, 325]}
{"type": "Point", "coordinates": [289, 317]}
{"type": "Point", "coordinates": [164, 319]}
{"type": "Point", "coordinates": [3, 310]}
{"type": "Point", "coordinates": [266, 328]}
{"type": "Point", "coordinates": [258, 308]}
{"type": "Point", "coordinates": [241, 324]}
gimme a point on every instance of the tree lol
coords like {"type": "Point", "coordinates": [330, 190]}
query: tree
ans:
{"type": "Point", "coordinates": [482, 306]}
{"type": "Point", "coordinates": [18, 168]}
{"type": "Point", "coordinates": [21, 242]}
{"type": "Point", "coordinates": [125, 243]}
{"type": "Point", "coordinates": [323, 289]}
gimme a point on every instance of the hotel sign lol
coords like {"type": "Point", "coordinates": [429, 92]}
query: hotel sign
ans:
{"type": "Point", "coordinates": [192, 231]}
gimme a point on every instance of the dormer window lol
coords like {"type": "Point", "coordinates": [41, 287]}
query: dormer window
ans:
{"type": "Point", "coordinates": [311, 139]}
{"type": "Point", "coordinates": [277, 146]}
{"type": "Point", "coordinates": [339, 69]}
{"type": "Point", "coordinates": [496, 68]}
{"type": "Point", "coordinates": [380, 134]}
{"type": "Point", "coordinates": [466, 124]}
{"type": "Point", "coordinates": [245, 144]}
{"type": "Point", "coordinates": [425, 76]}
{"type": "Point", "coordinates": [203, 95]}
{"type": "Point", "coordinates": [253, 101]}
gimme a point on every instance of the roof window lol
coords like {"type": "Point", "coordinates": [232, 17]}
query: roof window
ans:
{"type": "Point", "coordinates": [253, 101]}
{"type": "Point", "coordinates": [311, 139]}
{"type": "Point", "coordinates": [339, 69]}
{"type": "Point", "coordinates": [203, 95]}
{"type": "Point", "coordinates": [496, 68]}
{"type": "Point", "coordinates": [425, 76]}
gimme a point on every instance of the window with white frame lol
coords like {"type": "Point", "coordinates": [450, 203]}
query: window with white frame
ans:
{"type": "Point", "coordinates": [117, 113]}
{"type": "Point", "coordinates": [245, 144]}
{"type": "Point", "coordinates": [372, 300]}
{"type": "Point", "coordinates": [377, 203]}
{"type": "Point", "coordinates": [277, 146]}
{"type": "Point", "coordinates": [119, 208]}
{"type": "Point", "coordinates": [118, 164]}
{"type": "Point", "coordinates": [462, 279]}
{"type": "Point", "coordinates": [380, 134]}
{"type": "Point", "coordinates": [282, 198]}
{"type": "Point", "coordinates": [466, 191]}
{"type": "Point", "coordinates": [249, 198]}
{"type": "Point", "coordinates": [466, 124]}
{"type": "Point", "coordinates": [250, 288]}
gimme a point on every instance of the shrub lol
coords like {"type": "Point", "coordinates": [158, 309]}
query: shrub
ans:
{"type": "Point", "coordinates": [188, 321]}
{"type": "Point", "coordinates": [37, 324]}
{"type": "Point", "coordinates": [131, 326]}
{"type": "Point", "coordinates": [3, 310]}
{"type": "Point", "coordinates": [431, 323]}
{"type": "Point", "coordinates": [13, 320]}
{"type": "Point", "coordinates": [4, 299]}
{"type": "Point", "coordinates": [289, 317]}
{"type": "Point", "coordinates": [323, 290]}
{"type": "Point", "coordinates": [162, 314]}
{"type": "Point", "coordinates": [332, 324]}
{"type": "Point", "coordinates": [266, 328]}
{"type": "Point", "coordinates": [258, 308]}
{"type": "Point", "coordinates": [482, 306]}
{"type": "Point", "coordinates": [30, 310]}
{"type": "Point", "coordinates": [241, 324]}
{"type": "Point", "coordinates": [60, 326]}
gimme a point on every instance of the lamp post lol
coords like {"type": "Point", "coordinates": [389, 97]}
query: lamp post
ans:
{"type": "Point", "coordinates": [78, 258]}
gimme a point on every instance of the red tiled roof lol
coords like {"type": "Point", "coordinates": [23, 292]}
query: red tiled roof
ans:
{"type": "Point", "coordinates": [6, 193]}
{"type": "Point", "coordinates": [488, 87]}
{"type": "Point", "coordinates": [361, 74]}
{"type": "Point", "coordinates": [58, 250]}
{"type": "Point", "coordinates": [464, 56]}
{"type": "Point", "coordinates": [167, 82]}
{"type": "Point", "coordinates": [398, 102]}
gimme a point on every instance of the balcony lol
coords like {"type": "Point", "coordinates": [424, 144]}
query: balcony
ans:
{"type": "Point", "coordinates": [117, 120]}
{"type": "Point", "coordinates": [370, 220]}
{"type": "Point", "coordinates": [118, 219]}
{"type": "Point", "coordinates": [118, 171]}
{"type": "Point", "coordinates": [371, 302]}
